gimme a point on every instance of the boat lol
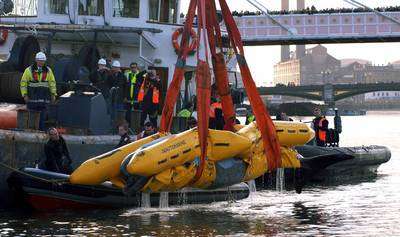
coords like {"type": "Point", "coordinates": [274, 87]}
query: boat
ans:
{"type": "Point", "coordinates": [119, 33]}
{"type": "Point", "coordinates": [346, 112]}
{"type": "Point", "coordinates": [324, 166]}
{"type": "Point", "coordinates": [32, 188]}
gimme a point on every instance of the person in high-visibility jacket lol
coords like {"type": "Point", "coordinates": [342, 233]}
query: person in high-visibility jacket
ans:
{"type": "Point", "coordinates": [250, 118]}
{"type": "Point", "coordinates": [38, 87]}
{"type": "Point", "coordinates": [149, 98]}
{"type": "Point", "coordinates": [135, 79]}
{"type": "Point", "coordinates": [187, 111]}
{"type": "Point", "coordinates": [320, 125]}
{"type": "Point", "coordinates": [216, 115]}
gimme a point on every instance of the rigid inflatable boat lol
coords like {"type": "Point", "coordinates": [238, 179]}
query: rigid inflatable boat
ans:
{"type": "Point", "coordinates": [60, 194]}
{"type": "Point", "coordinates": [329, 165]}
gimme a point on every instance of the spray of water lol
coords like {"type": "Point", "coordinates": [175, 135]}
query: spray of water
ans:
{"type": "Point", "coordinates": [164, 200]}
{"type": "Point", "coordinates": [252, 186]}
{"type": "Point", "coordinates": [280, 179]}
{"type": "Point", "coordinates": [145, 203]}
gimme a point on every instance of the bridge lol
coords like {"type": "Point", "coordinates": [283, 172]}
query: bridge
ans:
{"type": "Point", "coordinates": [328, 93]}
{"type": "Point", "coordinates": [359, 27]}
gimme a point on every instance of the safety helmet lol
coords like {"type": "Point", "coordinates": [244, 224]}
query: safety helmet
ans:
{"type": "Point", "coordinates": [41, 56]}
{"type": "Point", "coordinates": [116, 64]}
{"type": "Point", "coordinates": [102, 61]}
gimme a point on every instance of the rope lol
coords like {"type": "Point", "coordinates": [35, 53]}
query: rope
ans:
{"type": "Point", "coordinates": [53, 181]}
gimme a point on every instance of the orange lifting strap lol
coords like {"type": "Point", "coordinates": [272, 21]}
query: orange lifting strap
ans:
{"type": "Point", "coordinates": [208, 24]}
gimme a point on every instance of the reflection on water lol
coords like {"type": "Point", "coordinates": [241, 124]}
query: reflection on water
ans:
{"type": "Point", "coordinates": [368, 208]}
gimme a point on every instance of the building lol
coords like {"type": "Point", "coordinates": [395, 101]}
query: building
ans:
{"type": "Point", "coordinates": [316, 67]}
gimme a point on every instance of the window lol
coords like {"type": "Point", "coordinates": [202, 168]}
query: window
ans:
{"type": "Point", "coordinates": [91, 7]}
{"type": "Point", "coordinates": [163, 11]}
{"type": "Point", "coordinates": [126, 8]}
{"type": "Point", "coordinates": [56, 7]}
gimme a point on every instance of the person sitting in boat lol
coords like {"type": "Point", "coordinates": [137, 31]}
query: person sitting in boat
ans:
{"type": "Point", "coordinates": [149, 129]}
{"type": "Point", "coordinates": [38, 87]}
{"type": "Point", "coordinates": [99, 78]}
{"type": "Point", "coordinates": [282, 116]}
{"type": "Point", "coordinates": [149, 97]}
{"type": "Point", "coordinates": [123, 132]}
{"type": "Point", "coordinates": [320, 125]}
{"type": "Point", "coordinates": [57, 158]}
{"type": "Point", "coordinates": [118, 83]}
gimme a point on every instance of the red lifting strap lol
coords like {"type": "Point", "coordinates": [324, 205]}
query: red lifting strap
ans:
{"type": "Point", "coordinates": [264, 121]}
{"type": "Point", "coordinates": [221, 78]}
{"type": "Point", "coordinates": [219, 66]}
{"type": "Point", "coordinates": [208, 22]}
{"type": "Point", "coordinates": [175, 85]}
{"type": "Point", "coordinates": [203, 84]}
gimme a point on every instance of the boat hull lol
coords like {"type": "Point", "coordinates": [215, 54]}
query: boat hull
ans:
{"type": "Point", "coordinates": [47, 196]}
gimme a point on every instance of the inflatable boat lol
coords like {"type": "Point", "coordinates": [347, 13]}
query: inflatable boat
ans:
{"type": "Point", "coordinates": [45, 191]}
{"type": "Point", "coordinates": [329, 165]}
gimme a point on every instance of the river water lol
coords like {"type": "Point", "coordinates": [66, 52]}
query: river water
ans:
{"type": "Point", "coordinates": [368, 208]}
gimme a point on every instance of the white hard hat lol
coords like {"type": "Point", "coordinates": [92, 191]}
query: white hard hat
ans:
{"type": "Point", "coordinates": [102, 61]}
{"type": "Point", "coordinates": [41, 56]}
{"type": "Point", "coordinates": [116, 63]}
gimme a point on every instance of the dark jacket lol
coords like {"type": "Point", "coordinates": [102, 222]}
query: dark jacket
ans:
{"type": "Point", "coordinates": [147, 103]}
{"type": "Point", "coordinates": [99, 79]}
{"type": "Point", "coordinates": [317, 127]}
{"type": "Point", "coordinates": [124, 140]}
{"type": "Point", "coordinates": [57, 157]}
{"type": "Point", "coordinates": [119, 81]}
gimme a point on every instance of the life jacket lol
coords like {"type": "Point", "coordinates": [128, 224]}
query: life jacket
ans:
{"type": "Point", "coordinates": [321, 133]}
{"type": "Point", "coordinates": [38, 86]}
{"type": "Point", "coordinates": [132, 83]}
{"type": "Point", "coordinates": [185, 113]}
{"type": "Point", "coordinates": [156, 93]}
{"type": "Point", "coordinates": [251, 118]}
{"type": "Point", "coordinates": [213, 107]}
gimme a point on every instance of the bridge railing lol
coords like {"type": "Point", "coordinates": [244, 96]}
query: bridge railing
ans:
{"type": "Point", "coordinates": [318, 25]}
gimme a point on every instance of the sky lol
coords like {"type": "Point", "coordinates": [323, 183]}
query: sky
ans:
{"type": "Point", "coordinates": [262, 58]}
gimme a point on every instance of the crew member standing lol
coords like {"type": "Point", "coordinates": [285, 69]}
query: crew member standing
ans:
{"type": "Point", "coordinates": [99, 78]}
{"type": "Point", "coordinates": [118, 83]}
{"type": "Point", "coordinates": [149, 98]}
{"type": "Point", "coordinates": [134, 78]}
{"type": "Point", "coordinates": [216, 115]}
{"type": "Point", "coordinates": [320, 125]}
{"type": "Point", "coordinates": [38, 87]}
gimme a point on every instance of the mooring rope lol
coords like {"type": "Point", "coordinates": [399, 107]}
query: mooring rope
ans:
{"type": "Point", "coordinates": [53, 181]}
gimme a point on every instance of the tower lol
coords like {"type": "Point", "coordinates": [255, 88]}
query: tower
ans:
{"type": "Point", "coordinates": [285, 49]}
{"type": "Point", "coordinates": [300, 49]}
